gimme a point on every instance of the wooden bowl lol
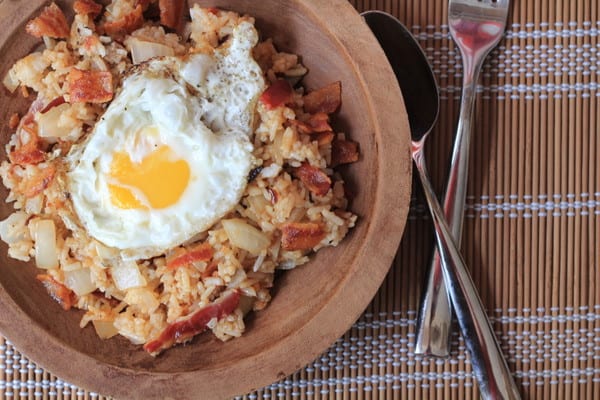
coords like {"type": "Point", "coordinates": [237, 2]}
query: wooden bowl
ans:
{"type": "Point", "coordinates": [313, 305]}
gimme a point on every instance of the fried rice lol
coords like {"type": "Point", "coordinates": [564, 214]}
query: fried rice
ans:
{"type": "Point", "coordinates": [294, 201]}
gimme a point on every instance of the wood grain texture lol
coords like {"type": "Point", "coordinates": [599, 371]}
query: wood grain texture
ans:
{"type": "Point", "coordinates": [314, 304]}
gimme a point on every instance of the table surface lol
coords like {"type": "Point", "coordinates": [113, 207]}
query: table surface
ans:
{"type": "Point", "coordinates": [531, 233]}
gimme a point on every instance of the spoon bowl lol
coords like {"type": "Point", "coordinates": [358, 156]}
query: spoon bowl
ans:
{"type": "Point", "coordinates": [416, 78]}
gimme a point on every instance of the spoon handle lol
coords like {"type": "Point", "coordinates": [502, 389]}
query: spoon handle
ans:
{"type": "Point", "coordinates": [489, 365]}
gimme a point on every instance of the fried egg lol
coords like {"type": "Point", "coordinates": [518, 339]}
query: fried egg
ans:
{"type": "Point", "coordinates": [172, 153]}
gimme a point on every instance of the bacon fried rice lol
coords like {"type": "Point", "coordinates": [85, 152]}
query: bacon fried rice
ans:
{"type": "Point", "coordinates": [293, 203]}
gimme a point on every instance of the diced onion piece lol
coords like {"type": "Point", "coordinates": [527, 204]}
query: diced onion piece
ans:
{"type": "Point", "coordinates": [12, 229]}
{"type": "Point", "coordinates": [258, 202]}
{"type": "Point", "coordinates": [79, 281]}
{"type": "Point", "coordinates": [142, 50]}
{"type": "Point", "coordinates": [10, 82]}
{"type": "Point", "coordinates": [144, 298]}
{"type": "Point", "coordinates": [104, 252]}
{"type": "Point", "coordinates": [70, 266]}
{"type": "Point", "coordinates": [44, 233]}
{"type": "Point", "coordinates": [127, 275]}
{"type": "Point", "coordinates": [197, 68]}
{"type": "Point", "coordinates": [48, 122]}
{"type": "Point", "coordinates": [245, 236]}
{"type": "Point", "coordinates": [33, 205]}
{"type": "Point", "coordinates": [105, 329]}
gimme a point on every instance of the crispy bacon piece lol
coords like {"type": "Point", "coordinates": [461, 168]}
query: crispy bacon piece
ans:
{"type": "Point", "coordinates": [183, 330]}
{"type": "Point", "coordinates": [316, 123]}
{"type": "Point", "coordinates": [201, 252]}
{"type": "Point", "coordinates": [326, 99]}
{"type": "Point", "coordinates": [30, 152]}
{"type": "Point", "coordinates": [90, 42]}
{"type": "Point", "coordinates": [24, 92]}
{"type": "Point", "coordinates": [89, 86]}
{"type": "Point", "coordinates": [279, 93]}
{"type": "Point", "coordinates": [127, 23]}
{"type": "Point", "coordinates": [54, 103]}
{"type": "Point", "coordinates": [29, 119]}
{"type": "Point", "coordinates": [313, 178]}
{"type": "Point", "coordinates": [301, 235]}
{"type": "Point", "coordinates": [171, 12]}
{"type": "Point", "coordinates": [319, 122]}
{"type": "Point", "coordinates": [87, 7]}
{"type": "Point", "coordinates": [301, 127]}
{"type": "Point", "coordinates": [13, 121]}
{"type": "Point", "coordinates": [324, 138]}
{"type": "Point", "coordinates": [51, 22]}
{"type": "Point", "coordinates": [343, 152]}
{"type": "Point", "coordinates": [39, 182]}
{"type": "Point", "coordinates": [59, 292]}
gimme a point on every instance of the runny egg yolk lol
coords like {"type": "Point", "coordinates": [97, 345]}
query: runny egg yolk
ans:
{"type": "Point", "coordinates": [160, 178]}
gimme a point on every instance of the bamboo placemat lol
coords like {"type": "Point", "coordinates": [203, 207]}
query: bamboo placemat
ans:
{"type": "Point", "coordinates": [531, 234]}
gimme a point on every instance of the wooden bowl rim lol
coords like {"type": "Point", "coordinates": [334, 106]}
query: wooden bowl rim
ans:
{"type": "Point", "coordinates": [392, 198]}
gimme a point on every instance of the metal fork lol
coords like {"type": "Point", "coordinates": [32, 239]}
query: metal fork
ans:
{"type": "Point", "coordinates": [476, 26]}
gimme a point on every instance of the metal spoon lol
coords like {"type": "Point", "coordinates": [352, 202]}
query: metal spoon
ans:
{"type": "Point", "coordinates": [421, 97]}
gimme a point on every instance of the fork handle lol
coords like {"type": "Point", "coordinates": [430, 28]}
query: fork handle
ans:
{"type": "Point", "coordinates": [435, 313]}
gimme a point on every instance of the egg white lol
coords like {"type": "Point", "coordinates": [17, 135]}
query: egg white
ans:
{"type": "Point", "coordinates": [202, 108]}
